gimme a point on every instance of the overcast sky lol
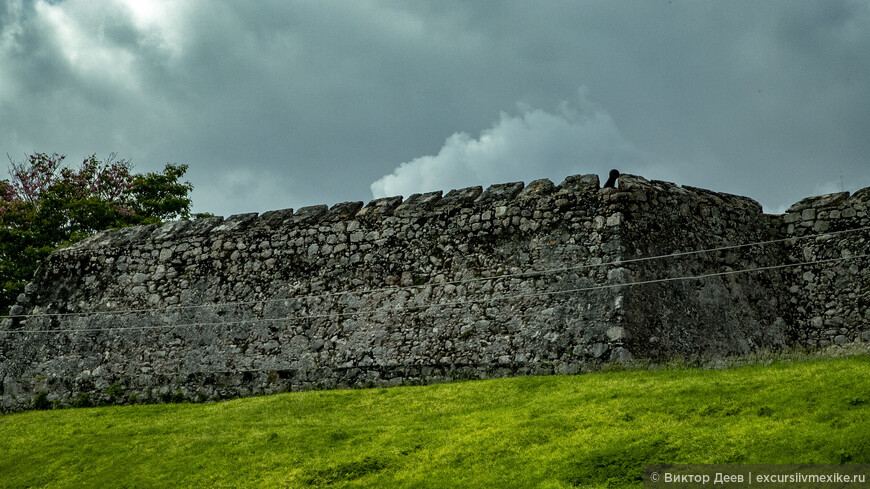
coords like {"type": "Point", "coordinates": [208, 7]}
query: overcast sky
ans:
{"type": "Point", "coordinates": [278, 104]}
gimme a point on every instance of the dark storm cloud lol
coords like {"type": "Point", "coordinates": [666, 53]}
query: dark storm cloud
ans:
{"type": "Point", "coordinates": [283, 104]}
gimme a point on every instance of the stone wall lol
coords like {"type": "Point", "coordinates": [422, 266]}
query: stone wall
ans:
{"type": "Point", "coordinates": [515, 280]}
{"type": "Point", "coordinates": [720, 315]}
{"type": "Point", "coordinates": [829, 302]}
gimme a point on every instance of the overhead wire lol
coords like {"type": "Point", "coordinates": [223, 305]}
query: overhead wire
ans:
{"type": "Point", "coordinates": [406, 308]}
{"type": "Point", "coordinates": [494, 276]}
{"type": "Point", "coordinates": [418, 307]}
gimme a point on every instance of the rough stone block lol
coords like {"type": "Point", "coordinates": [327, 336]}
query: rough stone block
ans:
{"type": "Point", "coordinates": [819, 201]}
{"type": "Point", "coordinates": [379, 207]}
{"type": "Point", "coordinates": [538, 188]}
{"type": "Point", "coordinates": [100, 239]}
{"type": "Point", "coordinates": [236, 222]}
{"type": "Point", "coordinates": [418, 204]}
{"type": "Point", "coordinates": [342, 211]}
{"type": "Point", "coordinates": [169, 230]}
{"type": "Point", "coordinates": [127, 236]}
{"type": "Point", "coordinates": [615, 219]}
{"type": "Point", "coordinates": [615, 333]}
{"type": "Point", "coordinates": [199, 227]}
{"type": "Point", "coordinates": [821, 226]}
{"type": "Point", "coordinates": [307, 215]}
{"type": "Point", "coordinates": [460, 197]}
{"type": "Point", "coordinates": [500, 192]}
{"type": "Point", "coordinates": [633, 182]}
{"type": "Point", "coordinates": [860, 197]}
{"type": "Point", "coordinates": [275, 219]}
{"type": "Point", "coordinates": [668, 187]}
{"type": "Point", "coordinates": [581, 184]}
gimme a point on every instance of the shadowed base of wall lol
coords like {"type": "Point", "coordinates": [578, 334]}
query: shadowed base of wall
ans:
{"type": "Point", "coordinates": [44, 393]}
{"type": "Point", "coordinates": [200, 387]}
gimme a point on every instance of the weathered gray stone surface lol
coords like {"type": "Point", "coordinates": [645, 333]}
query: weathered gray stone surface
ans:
{"type": "Point", "coordinates": [512, 280]}
{"type": "Point", "coordinates": [819, 201]}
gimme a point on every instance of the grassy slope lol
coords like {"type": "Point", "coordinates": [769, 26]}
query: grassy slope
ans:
{"type": "Point", "coordinates": [594, 430]}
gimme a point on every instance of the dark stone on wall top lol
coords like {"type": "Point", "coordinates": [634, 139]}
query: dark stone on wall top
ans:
{"type": "Point", "coordinates": [460, 197]}
{"type": "Point", "coordinates": [275, 219]}
{"type": "Point", "coordinates": [199, 227]}
{"type": "Point", "coordinates": [417, 204]}
{"type": "Point", "coordinates": [580, 183]}
{"type": "Point", "coordinates": [633, 182]}
{"type": "Point", "coordinates": [342, 211]}
{"type": "Point", "coordinates": [169, 230]}
{"type": "Point", "coordinates": [861, 196]}
{"type": "Point", "coordinates": [538, 188]}
{"type": "Point", "coordinates": [724, 200]}
{"type": "Point", "coordinates": [500, 192]}
{"type": "Point", "coordinates": [379, 207]}
{"type": "Point", "coordinates": [129, 235]}
{"type": "Point", "coordinates": [664, 186]}
{"type": "Point", "coordinates": [310, 213]}
{"type": "Point", "coordinates": [819, 201]}
{"type": "Point", "coordinates": [236, 222]}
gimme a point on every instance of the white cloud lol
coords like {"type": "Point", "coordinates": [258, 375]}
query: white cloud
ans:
{"type": "Point", "coordinates": [533, 144]}
{"type": "Point", "coordinates": [80, 41]}
{"type": "Point", "coordinates": [109, 41]}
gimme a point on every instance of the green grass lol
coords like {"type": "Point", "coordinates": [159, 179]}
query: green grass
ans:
{"type": "Point", "coordinates": [594, 430]}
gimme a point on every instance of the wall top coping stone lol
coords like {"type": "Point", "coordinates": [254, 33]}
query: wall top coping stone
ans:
{"type": "Point", "coordinates": [500, 192]}
{"type": "Point", "coordinates": [379, 207]}
{"type": "Point", "coordinates": [342, 211]}
{"type": "Point", "coordinates": [537, 188]}
{"type": "Point", "coordinates": [421, 204]}
{"type": "Point", "coordinates": [819, 201]}
{"type": "Point", "coordinates": [861, 196]}
{"type": "Point", "coordinates": [275, 219]}
{"type": "Point", "coordinates": [236, 222]}
{"type": "Point", "coordinates": [579, 183]}
{"type": "Point", "coordinates": [459, 197]}
{"type": "Point", "coordinates": [309, 213]}
{"type": "Point", "coordinates": [417, 204]}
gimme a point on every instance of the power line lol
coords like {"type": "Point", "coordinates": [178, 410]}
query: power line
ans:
{"type": "Point", "coordinates": [418, 307]}
{"type": "Point", "coordinates": [528, 274]}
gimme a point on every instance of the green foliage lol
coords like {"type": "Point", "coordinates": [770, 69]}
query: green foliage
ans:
{"type": "Point", "coordinates": [45, 205]}
{"type": "Point", "coordinates": [41, 402]}
{"type": "Point", "coordinates": [591, 430]}
{"type": "Point", "coordinates": [160, 196]}
{"type": "Point", "coordinates": [176, 397]}
{"type": "Point", "coordinates": [115, 391]}
{"type": "Point", "coordinates": [83, 401]}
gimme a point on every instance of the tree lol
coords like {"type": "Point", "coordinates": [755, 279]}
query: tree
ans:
{"type": "Point", "coordinates": [44, 206]}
